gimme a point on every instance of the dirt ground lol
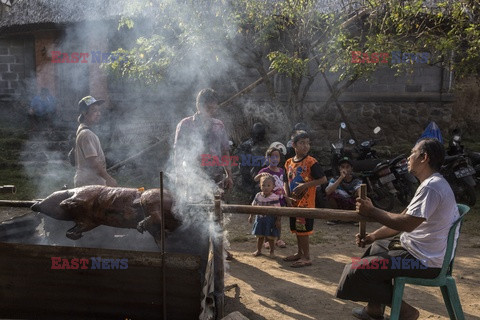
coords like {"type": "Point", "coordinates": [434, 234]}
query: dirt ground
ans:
{"type": "Point", "coordinates": [266, 288]}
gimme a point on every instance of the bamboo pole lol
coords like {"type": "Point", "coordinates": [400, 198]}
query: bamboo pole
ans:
{"type": "Point", "coordinates": [362, 227]}
{"type": "Point", "coordinates": [314, 213]}
{"type": "Point", "coordinates": [247, 89]}
{"type": "Point", "coordinates": [219, 270]}
{"type": "Point", "coordinates": [8, 189]}
{"type": "Point", "coordinates": [17, 203]}
{"type": "Point", "coordinates": [123, 162]}
{"type": "Point", "coordinates": [162, 237]}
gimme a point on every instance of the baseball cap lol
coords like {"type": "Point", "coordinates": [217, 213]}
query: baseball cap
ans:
{"type": "Point", "coordinates": [86, 102]}
{"type": "Point", "coordinates": [345, 159]}
{"type": "Point", "coordinates": [280, 146]}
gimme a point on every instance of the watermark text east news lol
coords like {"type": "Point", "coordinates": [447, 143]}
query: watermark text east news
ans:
{"type": "Point", "coordinates": [59, 263]}
{"type": "Point", "coordinates": [247, 160]}
{"type": "Point", "coordinates": [81, 57]}
{"type": "Point", "coordinates": [395, 263]}
{"type": "Point", "coordinates": [397, 57]}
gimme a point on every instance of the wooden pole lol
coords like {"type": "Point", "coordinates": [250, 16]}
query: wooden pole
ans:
{"type": "Point", "coordinates": [218, 265]}
{"type": "Point", "coordinates": [362, 227]}
{"type": "Point", "coordinates": [314, 213]}
{"type": "Point", "coordinates": [247, 89]}
{"type": "Point", "coordinates": [17, 203]}
{"type": "Point", "coordinates": [162, 238]}
{"type": "Point", "coordinates": [8, 189]}
{"type": "Point", "coordinates": [123, 162]}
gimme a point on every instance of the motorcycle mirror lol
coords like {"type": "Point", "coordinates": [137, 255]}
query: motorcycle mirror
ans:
{"type": "Point", "coordinates": [377, 130]}
{"type": "Point", "coordinates": [343, 125]}
{"type": "Point", "coordinates": [351, 141]}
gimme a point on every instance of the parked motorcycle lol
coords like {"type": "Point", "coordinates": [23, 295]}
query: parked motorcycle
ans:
{"type": "Point", "coordinates": [365, 149]}
{"type": "Point", "coordinates": [374, 172]}
{"type": "Point", "coordinates": [459, 173]}
{"type": "Point", "coordinates": [455, 147]}
{"type": "Point", "coordinates": [404, 182]}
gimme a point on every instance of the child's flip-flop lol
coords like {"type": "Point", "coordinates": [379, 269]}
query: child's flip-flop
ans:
{"type": "Point", "coordinates": [281, 244]}
{"type": "Point", "coordinates": [301, 264]}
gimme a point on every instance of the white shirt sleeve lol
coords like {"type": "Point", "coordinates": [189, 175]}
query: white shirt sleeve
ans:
{"type": "Point", "coordinates": [424, 203]}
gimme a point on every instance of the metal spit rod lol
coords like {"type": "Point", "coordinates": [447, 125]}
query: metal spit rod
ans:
{"type": "Point", "coordinates": [162, 237]}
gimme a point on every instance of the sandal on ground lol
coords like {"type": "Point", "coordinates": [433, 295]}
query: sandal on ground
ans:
{"type": "Point", "coordinates": [281, 244]}
{"type": "Point", "coordinates": [292, 258]}
{"type": "Point", "coordinates": [301, 264]}
{"type": "Point", "coordinates": [361, 313]}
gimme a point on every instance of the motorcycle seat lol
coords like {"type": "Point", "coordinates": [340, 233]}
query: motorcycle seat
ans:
{"type": "Point", "coordinates": [365, 165]}
{"type": "Point", "coordinates": [449, 159]}
{"type": "Point", "coordinates": [475, 157]}
{"type": "Point", "coordinates": [397, 159]}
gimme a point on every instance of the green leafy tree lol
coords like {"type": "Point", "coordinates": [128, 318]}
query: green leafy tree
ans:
{"type": "Point", "coordinates": [300, 39]}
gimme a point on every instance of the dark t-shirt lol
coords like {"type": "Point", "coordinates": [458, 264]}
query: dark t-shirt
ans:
{"type": "Point", "coordinates": [347, 188]}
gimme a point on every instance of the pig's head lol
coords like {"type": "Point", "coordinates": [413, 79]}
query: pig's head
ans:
{"type": "Point", "coordinates": [51, 205]}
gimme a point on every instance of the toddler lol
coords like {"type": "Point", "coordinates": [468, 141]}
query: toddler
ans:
{"type": "Point", "coordinates": [265, 227]}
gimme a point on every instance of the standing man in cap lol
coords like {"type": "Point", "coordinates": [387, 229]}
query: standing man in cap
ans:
{"type": "Point", "coordinates": [91, 168]}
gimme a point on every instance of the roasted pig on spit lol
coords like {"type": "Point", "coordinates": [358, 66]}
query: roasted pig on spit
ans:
{"type": "Point", "coordinates": [91, 206]}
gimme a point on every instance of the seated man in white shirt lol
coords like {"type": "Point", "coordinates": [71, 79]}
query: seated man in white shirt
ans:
{"type": "Point", "coordinates": [419, 251]}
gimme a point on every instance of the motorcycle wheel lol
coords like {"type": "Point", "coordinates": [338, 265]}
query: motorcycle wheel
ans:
{"type": "Point", "coordinates": [382, 198]}
{"type": "Point", "coordinates": [464, 193]}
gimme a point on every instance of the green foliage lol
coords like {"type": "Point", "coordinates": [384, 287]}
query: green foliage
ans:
{"type": "Point", "coordinates": [292, 66]}
{"type": "Point", "coordinates": [147, 61]}
{"type": "Point", "coordinates": [448, 30]}
{"type": "Point", "coordinates": [296, 39]}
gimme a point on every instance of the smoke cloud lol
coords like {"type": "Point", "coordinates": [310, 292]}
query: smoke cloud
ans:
{"type": "Point", "coordinates": [136, 115]}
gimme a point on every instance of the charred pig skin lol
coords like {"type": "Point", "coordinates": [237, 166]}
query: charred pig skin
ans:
{"type": "Point", "coordinates": [91, 206]}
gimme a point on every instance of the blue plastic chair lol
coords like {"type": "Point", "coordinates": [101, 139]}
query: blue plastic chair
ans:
{"type": "Point", "coordinates": [444, 280]}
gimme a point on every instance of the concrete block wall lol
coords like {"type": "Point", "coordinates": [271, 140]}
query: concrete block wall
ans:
{"type": "Point", "coordinates": [16, 66]}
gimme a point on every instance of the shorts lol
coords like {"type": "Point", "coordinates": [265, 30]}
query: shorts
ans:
{"type": "Point", "coordinates": [301, 226]}
{"type": "Point", "coordinates": [342, 202]}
